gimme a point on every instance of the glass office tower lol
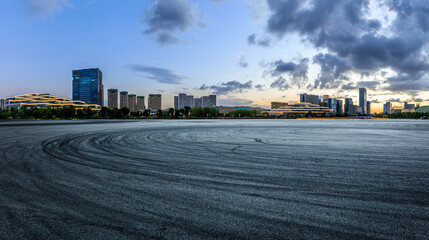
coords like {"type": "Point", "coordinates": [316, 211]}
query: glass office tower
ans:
{"type": "Point", "coordinates": [88, 86]}
{"type": "Point", "coordinates": [362, 100]}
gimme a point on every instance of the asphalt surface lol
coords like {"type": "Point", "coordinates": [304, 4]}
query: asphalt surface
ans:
{"type": "Point", "coordinates": [214, 179]}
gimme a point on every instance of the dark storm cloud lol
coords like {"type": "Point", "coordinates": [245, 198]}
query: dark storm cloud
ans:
{"type": "Point", "coordinates": [167, 16]}
{"type": "Point", "coordinates": [161, 75]}
{"type": "Point", "coordinates": [365, 84]}
{"type": "Point", "coordinates": [228, 87]}
{"type": "Point", "coordinates": [342, 27]}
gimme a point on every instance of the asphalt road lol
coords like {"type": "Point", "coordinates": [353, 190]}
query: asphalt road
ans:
{"type": "Point", "coordinates": [214, 179]}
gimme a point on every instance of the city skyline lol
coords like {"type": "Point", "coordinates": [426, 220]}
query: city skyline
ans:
{"type": "Point", "coordinates": [252, 57]}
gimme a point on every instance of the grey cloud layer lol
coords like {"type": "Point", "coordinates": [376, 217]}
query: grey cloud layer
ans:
{"type": "Point", "coordinates": [355, 42]}
{"type": "Point", "coordinates": [228, 87]}
{"type": "Point", "coordinates": [161, 75]}
{"type": "Point", "coordinates": [44, 8]}
{"type": "Point", "coordinates": [167, 16]}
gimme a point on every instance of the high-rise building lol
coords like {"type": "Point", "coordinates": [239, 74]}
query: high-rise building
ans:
{"type": "Point", "coordinates": [212, 99]}
{"type": "Point", "coordinates": [308, 98]}
{"type": "Point", "coordinates": [140, 104]}
{"type": "Point", "coordinates": [205, 101]}
{"type": "Point", "coordinates": [331, 104]}
{"type": "Point", "coordinates": [348, 104]}
{"type": "Point", "coordinates": [387, 108]}
{"type": "Point", "coordinates": [88, 86]}
{"type": "Point", "coordinates": [132, 102]}
{"type": "Point", "coordinates": [190, 101]}
{"type": "Point", "coordinates": [112, 98]}
{"type": "Point", "coordinates": [197, 102]}
{"type": "Point", "coordinates": [368, 107]}
{"type": "Point", "coordinates": [362, 99]}
{"type": "Point", "coordinates": [340, 106]}
{"type": "Point", "coordinates": [154, 101]}
{"type": "Point", "coordinates": [176, 102]}
{"type": "Point", "coordinates": [2, 103]}
{"type": "Point", "coordinates": [123, 99]}
{"type": "Point", "coordinates": [182, 100]}
{"type": "Point", "coordinates": [409, 106]}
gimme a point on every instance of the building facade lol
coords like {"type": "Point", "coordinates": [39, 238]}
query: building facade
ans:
{"type": "Point", "coordinates": [123, 99]}
{"type": "Point", "coordinates": [300, 109]}
{"type": "Point", "coordinates": [275, 105]}
{"type": "Point", "coordinates": [212, 99]}
{"type": "Point", "coordinates": [154, 101]}
{"type": "Point", "coordinates": [387, 108]}
{"type": "Point", "coordinates": [313, 99]}
{"type": "Point", "coordinates": [331, 103]}
{"type": "Point", "coordinates": [197, 102]}
{"type": "Point", "coordinates": [36, 100]}
{"type": "Point", "coordinates": [182, 100]}
{"type": "Point", "coordinates": [409, 106]}
{"type": "Point", "coordinates": [140, 104]}
{"type": "Point", "coordinates": [368, 107]}
{"type": "Point", "coordinates": [88, 86]}
{"type": "Point", "coordinates": [112, 98]}
{"type": "Point", "coordinates": [190, 101]}
{"type": "Point", "coordinates": [2, 103]}
{"type": "Point", "coordinates": [362, 99]}
{"type": "Point", "coordinates": [132, 102]}
{"type": "Point", "coordinates": [348, 103]}
{"type": "Point", "coordinates": [340, 106]}
{"type": "Point", "coordinates": [176, 102]}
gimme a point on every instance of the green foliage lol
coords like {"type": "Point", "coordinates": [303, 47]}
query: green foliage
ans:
{"type": "Point", "coordinates": [204, 112]}
{"type": "Point", "coordinates": [243, 113]}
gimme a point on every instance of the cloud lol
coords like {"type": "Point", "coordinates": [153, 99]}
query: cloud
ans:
{"type": "Point", "coordinates": [349, 34]}
{"type": "Point", "coordinates": [280, 84]}
{"type": "Point", "coordinates": [372, 85]}
{"type": "Point", "coordinates": [45, 8]}
{"type": "Point", "coordinates": [332, 71]}
{"type": "Point", "coordinates": [167, 16]}
{"type": "Point", "coordinates": [229, 101]}
{"type": "Point", "coordinates": [296, 71]}
{"type": "Point", "coordinates": [243, 63]}
{"type": "Point", "coordinates": [265, 42]}
{"type": "Point", "coordinates": [161, 75]}
{"type": "Point", "coordinates": [228, 87]}
{"type": "Point", "coordinates": [259, 87]}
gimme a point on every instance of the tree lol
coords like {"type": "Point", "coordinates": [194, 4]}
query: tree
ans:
{"type": "Point", "coordinates": [146, 113]}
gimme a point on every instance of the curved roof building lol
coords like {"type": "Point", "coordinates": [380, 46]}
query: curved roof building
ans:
{"type": "Point", "coordinates": [45, 100]}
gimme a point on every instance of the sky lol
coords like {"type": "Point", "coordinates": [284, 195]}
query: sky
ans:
{"type": "Point", "coordinates": [248, 52]}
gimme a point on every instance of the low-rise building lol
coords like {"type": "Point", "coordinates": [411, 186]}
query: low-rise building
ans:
{"type": "Point", "coordinates": [300, 109]}
{"type": "Point", "coordinates": [45, 100]}
{"type": "Point", "coordinates": [275, 105]}
{"type": "Point", "coordinates": [228, 109]}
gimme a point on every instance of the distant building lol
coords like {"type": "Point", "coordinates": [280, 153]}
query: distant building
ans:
{"type": "Point", "coordinates": [190, 101]}
{"type": "Point", "coordinates": [205, 101]}
{"type": "Point", "coordinates": [132, 102]}
{"type": "Point", "coordinates": [140, 104]}
{"type": "Point", "coordinates": [154, 101]}
{"type": "Point", "coordinates": [112, 98]}
{"type": "Point", "coordinates": [326, 96]}
{"type": "Point", "coordinates": [2, 103]}
{"type": "Point", "coordinates": [423, 109]}
{"type": "Point", "coordinates": [314, 99]}
{"type": "Point", "coordinates": [275, 105]}
{"type": "Point", "coordinates": [228, 109]}
{"type": "Point", "coordinates": [44, 101]}
{"type": "Point", "coordinates": [340, 106]}
{"type": "Point", "coordinates": [300, 109]}
{"type": "Point", "coordinates": [331, 103]}
{"type": "Point", "coordinates": [88, 86]}
{"type": "Point", "coordinates": [123, 99]}
{"type": "Point", "coordinates": [197, 102]}
{"type": "Point", "coordinates": [348, 103]}
{"type": "Point", "coordinates": [212, 99]}
{"type": "Point", "coordinates": [368, 107]}
{"type": "Point", "coordinates": [362, 99]}
{"type": "Point", "coordinates": [176, 102]}
{"type": "Point", "coordinates": [409, 106]}
{"type": "Point", "coordinates": [182, 100]}
{"type": "Point", "coordinates": [387, 108]}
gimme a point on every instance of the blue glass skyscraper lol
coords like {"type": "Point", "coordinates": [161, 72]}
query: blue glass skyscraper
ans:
{"type": "Point", "coordinates": [88, 86]}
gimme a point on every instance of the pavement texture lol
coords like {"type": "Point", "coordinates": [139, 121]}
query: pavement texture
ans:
{"type": "Point", "coordinates": [214, 179]}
